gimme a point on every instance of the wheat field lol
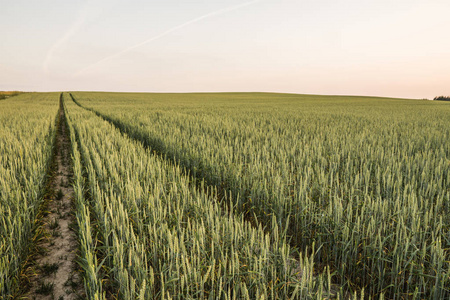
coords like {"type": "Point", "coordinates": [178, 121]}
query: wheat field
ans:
{"type": "Point", "coordinates": [237, 195]}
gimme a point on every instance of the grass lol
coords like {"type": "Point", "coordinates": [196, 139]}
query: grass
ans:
{"type": "Point", "coordinates": [49, 268]}
{"type": "Point", "coordinates": [54, 224]}
{"type": "Point", "coordinates": [59, 194]}
{"type": "Point", "coordinates": [45, 288]}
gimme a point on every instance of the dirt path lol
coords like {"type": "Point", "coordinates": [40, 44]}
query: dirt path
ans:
{"type": "Point", "coordinates": [56, 270]}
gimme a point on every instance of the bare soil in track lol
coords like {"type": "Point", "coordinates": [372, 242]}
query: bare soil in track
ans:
{"type": "Point", "coordinates": [56, 272]}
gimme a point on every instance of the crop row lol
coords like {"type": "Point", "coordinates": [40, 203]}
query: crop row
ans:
{"type": "Point", "coordinates": [365, 180]}
{"type": "Point", "coordinates": [147, 232]}
{"type": "Point", "coordinates": [27, 133]}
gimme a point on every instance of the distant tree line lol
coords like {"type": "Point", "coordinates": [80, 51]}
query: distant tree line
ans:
{"type": "Point", "coordinates": [443, 98]}
{"type": "Point", "coordinates": [4, 95]}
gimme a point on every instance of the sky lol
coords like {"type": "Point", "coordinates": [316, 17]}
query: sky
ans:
{"type": "Point", "coordinates": [395, 48]}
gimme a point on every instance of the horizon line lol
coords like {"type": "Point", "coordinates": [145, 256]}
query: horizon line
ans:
{"type": "Point", "coordinates": [217, 92]}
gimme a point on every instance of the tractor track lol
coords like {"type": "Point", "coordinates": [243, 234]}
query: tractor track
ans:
{"type": "Point", "coordinates": [56, 273]}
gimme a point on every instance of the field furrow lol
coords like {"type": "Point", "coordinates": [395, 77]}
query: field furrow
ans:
{"type": "Point", "coordinates": [56, 268]}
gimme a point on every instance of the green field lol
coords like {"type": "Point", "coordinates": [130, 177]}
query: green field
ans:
{"type": "Point", "coordinates": [239, 195]}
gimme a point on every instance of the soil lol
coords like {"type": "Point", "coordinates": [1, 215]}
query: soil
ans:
{"type": "Point", "coordinates": [56, 271]}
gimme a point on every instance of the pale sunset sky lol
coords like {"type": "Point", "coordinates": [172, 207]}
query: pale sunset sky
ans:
{"type": "Point", "coordinates": [397, 48]}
